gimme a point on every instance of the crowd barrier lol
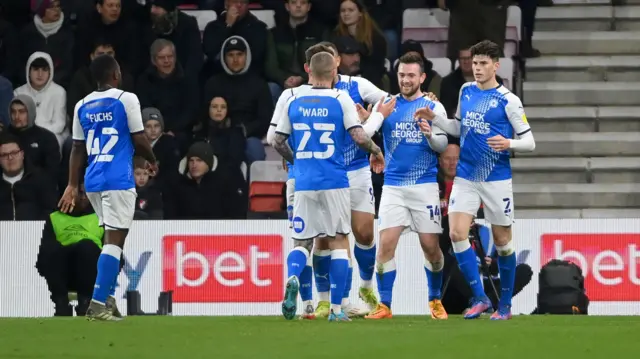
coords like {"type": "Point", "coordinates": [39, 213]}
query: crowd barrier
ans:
{"type": "Point", "coordinates": [239, 267]}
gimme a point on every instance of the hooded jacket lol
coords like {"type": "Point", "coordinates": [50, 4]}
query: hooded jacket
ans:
{"type": "Point", "coordinates": [39, 145]}
{"type": "Point", "coordinates": [50, 101]}
{"type": "Point", "coordinates": [247, 94]}
{"type": "Point", "coordinates": [221, 194]}
{"type": "Point", "coordinates": [32, 198]}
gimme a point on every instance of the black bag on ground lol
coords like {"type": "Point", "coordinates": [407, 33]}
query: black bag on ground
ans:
{"type": "Point", "coordinates": [561, 289]}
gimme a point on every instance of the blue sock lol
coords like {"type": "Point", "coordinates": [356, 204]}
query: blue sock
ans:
{"type": "Point", "coordinates": [306, 277]}
{"type": "Point", "coordinates": [507, 268]}
{"type": "Point", "coordinates": [108, 268]}
{"type": "Point", "coordinates": [434, 279]}
{"type": "Point", "coordinates": [112, 292]}
{"type": "Point", "coordinates": [321, 265]}
{"type": "Point", "coordinates": [386, 278]}
{"type": "Point", "coordinates": [466, 257]}
{"type": "Point", "coordinates": [366, 258]}
{"type": "Point", "coordinates": [338, 271]}
{"type": "Point", "coordinates": [349, 280]}
{"type": "Point", "coordinates": [296, 261]}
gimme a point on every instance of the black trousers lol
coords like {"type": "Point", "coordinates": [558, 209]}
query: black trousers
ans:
{"type": "Point", "coordinates": [458, 295]}
{"type": "Point", "coordinates": [71, 268]}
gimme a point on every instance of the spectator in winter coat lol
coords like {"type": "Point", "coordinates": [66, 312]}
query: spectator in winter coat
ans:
{"type": "Point", "coordinates": [166, 87]}
{"type": "Point", "coordinates": [83, 83]}
{"type": "Point", "coordinates": [165, 147]}
{"type": "Point", "coordinates": [294, 37]}
{"type": "Point", "coordinates": [205, 190]}
{"type": "Point", "coordinates": [105, 22]}
{"type": "Point", "coordinates": [167, 22]}
{"type": "Point", "coordinates": [26, 194]}
{"type": "Point", "coordinates": [48, 33]}
{"type": "Point", "coordinates": [238, 21]}
{"type": "Point", "coordinates": [6, 95]}
{"type": "Point", "coordinates": [247, 94]}
{"type": "Point", "coordinates": [39, 145]}
{"type": "Point", "coordinates": [50, 98]}
{"type": "Point", "coordinates": [225, 137]}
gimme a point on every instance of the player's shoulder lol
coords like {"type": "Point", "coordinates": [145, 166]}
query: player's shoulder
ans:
{"type": "Point", "coordinates": [467, 86]}
{"type": "Point", "coordinates": [509, 97]}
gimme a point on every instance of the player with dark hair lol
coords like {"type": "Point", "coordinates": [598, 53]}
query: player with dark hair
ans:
{"type": "Point", "coordinates": [410, 195]}
{"type": "Point", "coordinates": [107, 124]}
{"type": "Point", "coordinates": [487, 117]}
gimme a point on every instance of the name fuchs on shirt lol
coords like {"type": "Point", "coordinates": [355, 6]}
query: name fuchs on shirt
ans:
{"type": "Point", "coordinates": [99, 116]}
{"type": "Point", "coordinates": [408, 131]}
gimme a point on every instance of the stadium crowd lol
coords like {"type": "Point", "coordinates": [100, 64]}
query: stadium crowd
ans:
{"type": "Point", "coordinates": [207, 96]}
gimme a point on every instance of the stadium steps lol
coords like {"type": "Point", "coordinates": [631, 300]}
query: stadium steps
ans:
{"type": "Point", "coordinates": [586, 144]}
{"type": "Point", "coordinates": [586, 42]}
{"type": "Point", "coordinates": [584, 119]}
{"type": "Point", "coordinates": [577, 195]}
{"type": "Point", "coordinates": [582, 93]}
{"type": "Point", "coordinates": [588, 18]}
{"type": "Point", "coordinates": [576, 170]}
{"type": "Point", "coordinates": [583, 69]}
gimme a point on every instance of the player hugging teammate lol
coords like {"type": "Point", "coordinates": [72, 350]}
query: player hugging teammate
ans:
{"type": "Point", "coordinates": [413, 127]}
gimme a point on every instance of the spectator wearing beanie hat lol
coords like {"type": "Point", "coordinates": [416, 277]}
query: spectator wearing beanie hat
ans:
{"type": "Point", "coordinates": [167, 22]}
{"type": "Point", "coordinates": [204, 191]}
{"type": "Point", "coordinates": [48, 33]}
{"type": "Point", "coordinates": [165, 148]}
{"type": "Point", "coordinates": [433, 80]}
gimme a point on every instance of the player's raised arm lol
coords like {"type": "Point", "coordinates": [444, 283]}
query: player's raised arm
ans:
{"type": "Point", "coordinates": [450, 126]}
{"type": "Point", "coordinates": [136, 128]}
{"type": "Point", "coordinates": [435, 136]}
{"type": "Point", "coordinates": [380, 111]}
{"type": "Point", "coordinates": [352, 125]}
{"type": "Point", "coordinates": [518, 119]}
{"type": "Point", "coordinates": [282, 132]}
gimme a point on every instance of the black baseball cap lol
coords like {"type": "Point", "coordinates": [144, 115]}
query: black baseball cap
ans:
{"type": "Point", "coordinates": [348, 45]}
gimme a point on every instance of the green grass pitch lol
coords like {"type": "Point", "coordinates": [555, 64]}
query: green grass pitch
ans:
{"type": "Point", "coordinates": [539, 337]}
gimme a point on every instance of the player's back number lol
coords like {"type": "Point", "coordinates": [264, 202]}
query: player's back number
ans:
{"type": "Point", "coordinates": [102, 150]}
{"type": "Point", "coordinates": [325, 130]}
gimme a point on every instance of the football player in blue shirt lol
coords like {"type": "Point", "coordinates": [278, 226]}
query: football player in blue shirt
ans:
{"type": "Point", "coordinates": [487, 117]}
{"type": "Point", "coordinates": [410, 196]}
{"type": "Point", "coordinates": [318, 120]}
{"type": "Point", "coordinates": [107, 124]}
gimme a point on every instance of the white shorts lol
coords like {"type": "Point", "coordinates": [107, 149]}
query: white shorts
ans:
{"type": "Point", "coordinates": [361, 188]}
{"type": "Point", "coordinates": [321, 213]}
{"type": "Point", "coordinates": [496, 196]}
{"type": "Point", "coordinates": [415, 207]}
{"type": "Point", "coordinates": [115, 209]}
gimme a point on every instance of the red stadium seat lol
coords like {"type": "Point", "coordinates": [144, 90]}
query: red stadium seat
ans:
{"type": "Point", "coordinates": [268, 179]}
{"type": "Point", "coordinates": [266, 196]}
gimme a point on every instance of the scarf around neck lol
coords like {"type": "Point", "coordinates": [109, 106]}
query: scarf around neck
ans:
{"type": "Point", "coordinates": [48, 29]}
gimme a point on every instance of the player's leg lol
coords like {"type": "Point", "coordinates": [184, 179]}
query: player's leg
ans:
{"type": "Point", "coordinates": [394, 218]}
{"type": "Point", "coordinates": [306, 277]}
{"type": "Point", "coordinates": [362, 216]}
{"type": "Point", "coordinates": [423, 201]}
{"type": "Point", "coordinates": [463, 206]}
{"type": "Point", "coordinates": [117, 210]}
{"type": "Point", "coordinates": [337, 215]}
{"type": "Point", "coordinates": [497, 197]}
{"type": "Point", "coordinates": [321, 264]}
{"type": "Point", "coordinates": [305, 228]}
